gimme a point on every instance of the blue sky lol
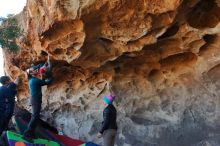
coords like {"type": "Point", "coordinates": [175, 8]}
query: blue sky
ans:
{"type": "Point", "coordinates": [9, 7]}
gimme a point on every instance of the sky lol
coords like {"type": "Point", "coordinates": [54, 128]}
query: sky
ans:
{"type": "Point", "coordinates": [9, 7]}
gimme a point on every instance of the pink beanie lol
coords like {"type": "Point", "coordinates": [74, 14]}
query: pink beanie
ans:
{"type": "Point", "coordinates": [109, 99]}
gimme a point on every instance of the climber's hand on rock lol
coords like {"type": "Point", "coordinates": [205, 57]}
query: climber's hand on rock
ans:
{"type": "Point", "coordinates": [99, 135]}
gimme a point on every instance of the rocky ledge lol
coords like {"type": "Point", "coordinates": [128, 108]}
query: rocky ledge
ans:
{"type": "Point", "coordinates": [161, 57]}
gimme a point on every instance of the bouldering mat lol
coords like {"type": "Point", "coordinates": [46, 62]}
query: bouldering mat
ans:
{"type": "Point", "coordinates": [47, 134]}
{"type": "Point", "coordinates": [15, 139]}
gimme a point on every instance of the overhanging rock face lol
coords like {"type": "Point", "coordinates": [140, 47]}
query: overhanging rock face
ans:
{"type": "Point", "coordinates": [161, 56]}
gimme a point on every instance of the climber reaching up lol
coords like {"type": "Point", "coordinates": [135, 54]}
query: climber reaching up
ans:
{"type": "Point", "coordinates": [35, 84]}
{"type": "Point", "coordinates": [46, 69]}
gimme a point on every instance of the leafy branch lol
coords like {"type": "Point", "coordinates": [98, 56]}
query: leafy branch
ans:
{"type": "Point", "coordinates": [9, 31]}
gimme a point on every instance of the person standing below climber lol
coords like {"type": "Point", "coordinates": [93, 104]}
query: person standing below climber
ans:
{"type": "Point", "coordinates": [35, 84]}
{"type": "Point", "coordinates": [109, 125]}
{"type": "Point", "coordinates": [8, 90]}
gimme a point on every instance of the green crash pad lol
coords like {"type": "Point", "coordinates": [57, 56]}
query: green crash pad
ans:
{"type": "Point", "coordinates": [14, 138]}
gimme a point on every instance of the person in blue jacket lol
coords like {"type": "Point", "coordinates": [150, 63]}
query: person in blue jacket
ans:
{"type": "Point", "coordinates": [35, 85]}
{"type": "Point", "coordinates": [8, 91]}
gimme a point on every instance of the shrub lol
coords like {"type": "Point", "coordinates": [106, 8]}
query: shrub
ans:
{"type": "Point", "coordinates": [9, 31]}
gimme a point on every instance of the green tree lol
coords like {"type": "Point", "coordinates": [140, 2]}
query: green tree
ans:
{"type": "Point", "coordinates": [9, 31]}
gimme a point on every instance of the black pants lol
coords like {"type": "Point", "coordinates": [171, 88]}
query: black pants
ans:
{"type": "Point", "coordinates": [35, 117]}
{"type": "Point", "coordinates": [6, 113]}
{"type": "Point", "coordinates": [2, 119]}
{"type": "Point", "coordinates": [3, 139]}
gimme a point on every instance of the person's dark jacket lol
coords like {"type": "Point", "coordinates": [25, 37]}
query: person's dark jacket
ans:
{"type": "Point", "coordinates": [13, 91]}
{"type": "Point", "coordinates": [7, 93]}
{"type": "Point", "coordinates": [35, 85]}
{"type": "Point", "coordinates": [7, 98]}
{"type": "Point", "coordinates": [109, 116]}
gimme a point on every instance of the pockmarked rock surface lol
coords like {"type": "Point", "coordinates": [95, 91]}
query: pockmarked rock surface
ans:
{"type": "Point", "coordinates": [162, 58]}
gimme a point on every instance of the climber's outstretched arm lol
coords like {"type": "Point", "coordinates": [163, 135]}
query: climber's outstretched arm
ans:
{"type": "Point", "coordinates": [49, 63]}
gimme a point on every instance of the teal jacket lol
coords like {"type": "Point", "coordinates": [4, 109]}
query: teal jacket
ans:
{"type": "Point", "coordinates": [35, 85]}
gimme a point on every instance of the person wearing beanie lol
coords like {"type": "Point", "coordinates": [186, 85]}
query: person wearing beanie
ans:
{"type": "Point", "coordinates": [7, 100]}
{"type": "Point", "coordinates": [35, 84]}
{"type": "Point", "coordinates": [109, 126]}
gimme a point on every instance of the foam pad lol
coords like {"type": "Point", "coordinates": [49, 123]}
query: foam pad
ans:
{"type": "Point", "coordinates": [15, 139]}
